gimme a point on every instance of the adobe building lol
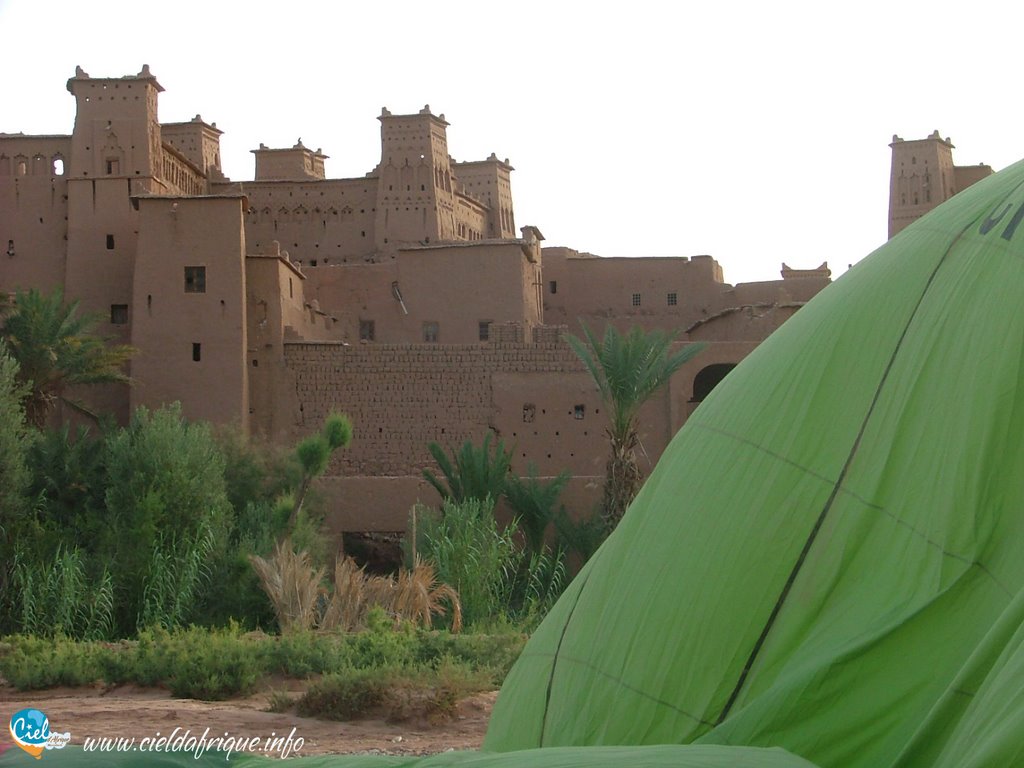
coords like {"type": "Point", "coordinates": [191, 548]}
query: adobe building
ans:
{"type": "Point", "coordinates": [923, 176]}
{"type": "Point", "coordinates": [407, 297]}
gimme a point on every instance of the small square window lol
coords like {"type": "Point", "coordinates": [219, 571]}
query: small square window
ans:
{"type": "Point", "coordinates": [367, 331]}
{"type": "Point", "coordinates": [197, 351]}
{"type": "Point", "coordinates": [113, 167]}
{"type": "Point", "coordinates": [578, 411]}
{"type": "Point", "coordinates": [485, 330]}
{"type": "Point", "coordinates": [110, 242]}
{"type": "Point", "coordinates": [636, 299]}
{"type": "Point", "coordinates": [118, 314]}
{"type": "Point", "coordinates": [672, 299]}
{"type": "Point", "coordinates": [553, 286]}
{"type": "Point", "coordinates": [195, 279]}
{"type": "Point", "coordinates": [431, 331]}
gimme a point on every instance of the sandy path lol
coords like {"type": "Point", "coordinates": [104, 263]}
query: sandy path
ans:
{"type": "Point", "coordinates": [140, 712]}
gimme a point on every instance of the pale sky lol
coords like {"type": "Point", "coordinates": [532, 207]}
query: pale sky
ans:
{"type": "Point", "coordinates": [756, 132]}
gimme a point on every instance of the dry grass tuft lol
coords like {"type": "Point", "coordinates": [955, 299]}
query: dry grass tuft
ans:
{"type": "Point", "coordinates": [418, 596]}
{"type": "Point", "coordinates": [414, 596]}
{"type": "Point", "coordinates": [348, 606]}
{"type": "Point", "coordinates": [292, 584]}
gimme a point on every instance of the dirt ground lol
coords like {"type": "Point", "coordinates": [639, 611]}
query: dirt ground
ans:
{"type": "Point", "coordinates": [140, 712]}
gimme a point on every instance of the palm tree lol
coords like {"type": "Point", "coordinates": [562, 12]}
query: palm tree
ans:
{"type": "Point", "coordinates": [475, 474]}
{"type": "Point", "coordinates": [627, 369]}
{"type": "Point", "coordinates": [55, 349]}
{"type": "Point", "coordinates": [534, 504]}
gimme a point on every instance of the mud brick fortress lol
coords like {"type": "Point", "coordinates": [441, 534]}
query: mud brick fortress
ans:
{"type": "Point", "coordinates": [407, 298]}
{"type": "Point", "coordinates": [923, 176]}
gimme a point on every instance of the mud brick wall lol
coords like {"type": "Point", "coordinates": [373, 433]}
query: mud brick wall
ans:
{"type": "Point", "coordinates": [402, 397]}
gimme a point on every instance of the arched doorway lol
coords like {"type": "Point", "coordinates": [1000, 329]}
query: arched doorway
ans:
{"type": "Point", "coordinates": [708, 378]}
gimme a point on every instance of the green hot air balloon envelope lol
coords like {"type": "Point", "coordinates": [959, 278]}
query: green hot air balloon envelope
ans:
{"type": "Point", "coordinates": [827, 556]}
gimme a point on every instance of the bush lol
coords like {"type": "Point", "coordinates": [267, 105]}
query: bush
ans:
{"type": "Point", "coordinates": [215, 664]}
{"type": "Point", "coordinates": [346, 695]}
{"type": "Point", "coordinates": [301, 654]}
{"type": "Point", "coordinates": [58, 597]}
{"type": "Point", "coordinates": [471, 554]}
{"type": "Point", "coordinates": [69, 480]}
{"type": "Point", "coordinates": [167, 510]}
{"type": "Point", "coordinates": [255, 471]}
{"type": "Point", "coordinates": [493, 654]}
{"type": "Point", "coordinates": [280, 701]}
{"type": "Point", "coordinates": [582, 537]}
{"type": "Point", "coordinates": [394, 693]}
{"type": "Point", "coordinates": [193, 663]}
{"type": "Point", "coordinates": [30, 663]}
{"type": "Point", "coordinates": [14, 443]}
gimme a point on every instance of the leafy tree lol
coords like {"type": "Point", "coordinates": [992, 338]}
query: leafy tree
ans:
{"type": "Point", "coordinates": [68, 484]}
{"type": "Point", "coordinates": [534, 503]}
{"type": "Point", "coordinates": [13, 473]}
{"type": "Point", "coordinates": [257, 475]}
{"type": "Point", "coordinates": [167, 512]}
{"type": "Point", "coordinates": [256, 471]}
{"type": "Point", "coordinates": [13, 443]}
{"type": "Point", "coordinates": [471, 474]}
{"type": "Point", "coordinates": [627, 369]}
{"type": "Point", "coordinates": [278, 519]}
{"type": "Point", "coordinates": [55, 350]}
{"type": "Point", "coordinates": [314, 453]}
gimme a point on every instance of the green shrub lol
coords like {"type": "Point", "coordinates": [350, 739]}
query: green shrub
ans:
{"type": "Point", "coordinates": [492, 653]}
{"type": "Point", "coordinates": [196, 663]}
{"type": "Point", "coordinates": [540, 580]}
{"type": "Point", "coordinates": [280, 701]}
{"type": "Point", "coordinates": [346, 695]}
{"type": "Point", "coordinates": [301, 654]}
{"type": "Point", "coordinates": [59, 598]}
{"type": "Point", "coordinates": [454, 681]}
{"type": "Point", "coordinates": [382, 644]}
{"type": "Point", "coordinates": [69, 480]}
{"type": "Point", "coordinates": [255, 471]}
{"type": "Point", "coordinates": [426, 668]}
{"type": "Point", "coordinates": [14, 476]}
{"type": "Point", "coordinates": [314, 453]}
{"type": "Point", "coordinates": [31, 663]}
{"type": "Point", "coordinates": [233, 590]}
{"type": "Point", "coordinates": [472, 555]}
{"type": "Point", "coordinates": [166, 504]}
{"type": "Point", "coordinates": [215, 668]}
{"type": "Point", "coordinates": [394, 693]}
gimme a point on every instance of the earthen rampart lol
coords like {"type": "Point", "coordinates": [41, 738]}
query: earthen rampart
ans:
{"type": "Point", "coordinates": [403, 396]}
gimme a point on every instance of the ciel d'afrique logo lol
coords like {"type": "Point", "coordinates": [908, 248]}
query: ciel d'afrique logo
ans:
{"type": "Point", "coordinates": [30, 729]}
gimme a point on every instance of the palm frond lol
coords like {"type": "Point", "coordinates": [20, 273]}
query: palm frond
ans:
{"type": "Point", "coordinates": [56, 349]}
{"type": "Point", "coordinates": [471, 472]}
